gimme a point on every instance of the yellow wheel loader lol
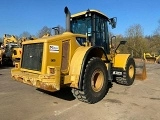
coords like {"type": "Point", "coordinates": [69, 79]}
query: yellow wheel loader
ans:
{"type": "Point", "coordinates": [158, 59]}
{"type": "Point", "coordinates": [80, 58]}
{"type": "Point", "coordinates": [1, 53]}
{"type": "Point", "coordinates": [12, 50]}
{"type": "Point", "coordinates": [151, 58]}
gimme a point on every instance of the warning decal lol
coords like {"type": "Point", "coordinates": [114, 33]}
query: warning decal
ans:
{"type": "Point", "coordinates": [54, 48]}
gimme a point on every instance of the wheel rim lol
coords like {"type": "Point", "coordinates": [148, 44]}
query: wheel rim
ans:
{"type": "Point", "coordinates": [97, 80]}
{"type": "Point", "coordinates": [131, 71]}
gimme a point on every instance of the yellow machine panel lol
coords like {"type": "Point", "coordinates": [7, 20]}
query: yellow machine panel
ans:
{"type": "Point", "coordinates": [120, 60]}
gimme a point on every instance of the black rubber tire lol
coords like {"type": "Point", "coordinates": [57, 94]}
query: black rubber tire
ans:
{"type": "Point", "coordinates": [0, 64]}
{"type": "Point", "coordinates": [126, 79]}
{"type": "Point", "coordinates": [90, 94]}
{"type": "Point", "coordinates": [158, 61]}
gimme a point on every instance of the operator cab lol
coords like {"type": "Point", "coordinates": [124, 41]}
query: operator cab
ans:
{"type": "Point", "coordinates": [94, 25]}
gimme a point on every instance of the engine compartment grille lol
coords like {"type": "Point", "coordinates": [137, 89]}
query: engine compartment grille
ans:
{"type": "Point", "coordinates": [32, 56]}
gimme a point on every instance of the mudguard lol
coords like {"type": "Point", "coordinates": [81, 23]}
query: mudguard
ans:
{"type": "Point", "coordinates": [120, 61]}
{"type": "Point", "coordinates": [76, 64]}
{"type": "Point", "coordinates": [79, 61]}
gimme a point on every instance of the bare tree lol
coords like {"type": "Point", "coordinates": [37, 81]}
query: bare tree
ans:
{"type": "Point", "coordinates": [134, 31]}
{"type": "Point", "coordinates": [61, 29]}
{"type": "Point", "coordinates": [122, 48]}
{"type": "Point", "coordinates": [25, 34]}
{"type": "Point", "coordinates": [45, 30]}
{"type": "Point", "coordinates": [157, 31]}
{"type": "Point", "coordinates": [154, 44]}
{"type": "Point", "coordinates": [154, 40]}
{"type": "Point", "coordinates": [58, 30]}
{"type": "Point", "coordinates": [135, 40]}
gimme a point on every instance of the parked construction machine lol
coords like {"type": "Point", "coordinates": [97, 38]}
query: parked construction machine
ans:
{"type": "Point", "coordinates": [80, 58]}
{"type": "Point", "coordinates": [158, 59]}
{"type": "Point", "coordinates": [152, 58]}
{"type": "Point", "coordinates": [1, 53]}
{"type": "Point", "coordinates": [12, 50]}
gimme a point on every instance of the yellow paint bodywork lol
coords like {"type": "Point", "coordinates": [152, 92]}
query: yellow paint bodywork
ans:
{"type": "Point", "coordinates": [75, 66]}
{"type": "Point", "coordinates": [69, 76]}
{"type": "Point", "coordinates": [17, 55]}
{"type": "Point", "coordinates": [1, 54]}
{"type": "Point", "coordinates": [120, 60]}
{"type": "Point", "coordinates": [44, 79]}
{"type": "Point", "coordinates": [53, 60]}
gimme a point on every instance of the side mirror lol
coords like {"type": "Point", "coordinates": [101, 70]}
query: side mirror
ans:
{"type": "Point", "coordinates": [113, 22]}
{"type": "Point", "coordinates": [123, 42]}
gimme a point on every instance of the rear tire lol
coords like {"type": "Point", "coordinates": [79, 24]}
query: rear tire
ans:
{"type": "Point", "coordinates": [158, 61]}
{"type": "Point", "coordinates": [0, 63]}
{"type": "Point", "coordinates": [128, 79]}
{"type": "Point", "coordinates": [95, 82]}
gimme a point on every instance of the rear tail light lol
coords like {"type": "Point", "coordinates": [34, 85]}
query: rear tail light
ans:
{"type": "Point", "coordinates": [52, 70]}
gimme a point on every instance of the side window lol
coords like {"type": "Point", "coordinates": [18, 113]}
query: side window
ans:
{"type": "Point", "coordinates": [100, 31]}
{"type": "Point", "coordinates": [81, 40]}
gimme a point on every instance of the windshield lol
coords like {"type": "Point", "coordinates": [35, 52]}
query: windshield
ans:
{"type": "Point", "coordinates": [95, 28]}
{"type": "Point", "coordinates": [13, 45]}
{"type": "Point", "coordinates": [7, 35]}
{"type": "Point", "coordinates": [81, 25]}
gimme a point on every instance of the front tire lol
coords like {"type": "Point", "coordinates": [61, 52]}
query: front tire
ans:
{"type": "Point", "coordinates": [128, 79]}
{"type": "Point", "coordinates": [95, 82]}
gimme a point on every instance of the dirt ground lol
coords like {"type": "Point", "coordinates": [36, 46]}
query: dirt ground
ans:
{"type": "Point", "coordinates": [141, 101]}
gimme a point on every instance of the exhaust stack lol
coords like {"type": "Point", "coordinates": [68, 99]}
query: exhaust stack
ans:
{"type": "Point", "coordinates": [68, 16]}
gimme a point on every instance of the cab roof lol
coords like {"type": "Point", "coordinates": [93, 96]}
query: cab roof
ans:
{"type": "Point", "coordinates": [92, 11]}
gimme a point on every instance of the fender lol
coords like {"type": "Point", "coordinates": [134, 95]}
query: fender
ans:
{"type": "Point", "coordinates": [79, 61]}
{"type": "Point", "coordinates": [120, 60]}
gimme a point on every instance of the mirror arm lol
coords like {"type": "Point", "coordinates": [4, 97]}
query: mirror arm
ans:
{"type": "Point", "coordinates": [116, 48]}
{"type": "Point", "coordinates": [121, 42]}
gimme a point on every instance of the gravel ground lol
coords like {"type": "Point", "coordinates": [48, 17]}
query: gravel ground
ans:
{"type": "Point", "coordinates": [137, 102]}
